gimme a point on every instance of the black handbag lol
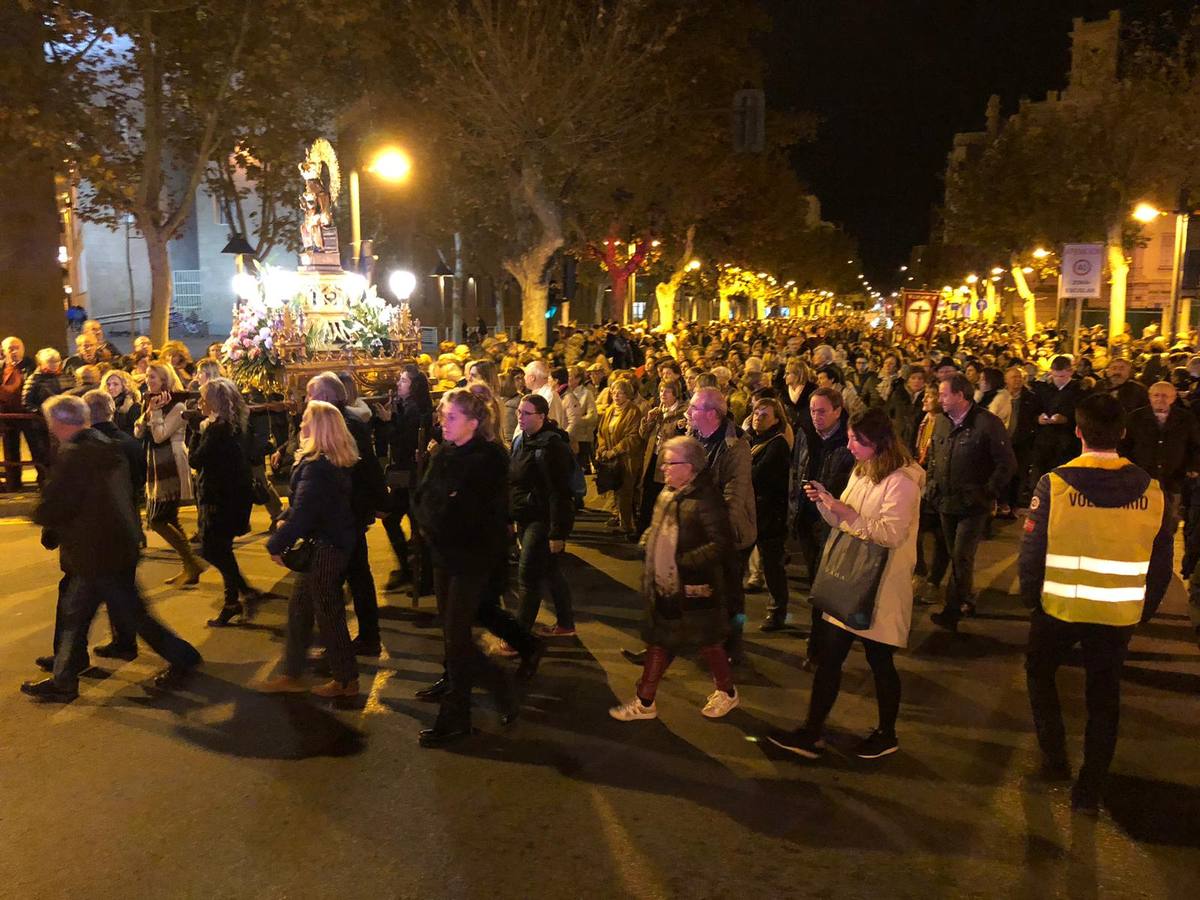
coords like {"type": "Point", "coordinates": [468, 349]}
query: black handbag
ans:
{"type": "Point", "coordinates": [609, 476]}
{"type": "Point", "coordinates": [848, 579]}
{"type": "Point", "coordinates": [299, 556]}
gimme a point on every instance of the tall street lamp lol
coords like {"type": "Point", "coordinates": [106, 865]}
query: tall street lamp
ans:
{"type": "Point", "coordinates": [1147, 213]}
{"type": "Point", "coordinates": [391, 165]}
{"type": "Point", "coordinates": [441, 272]}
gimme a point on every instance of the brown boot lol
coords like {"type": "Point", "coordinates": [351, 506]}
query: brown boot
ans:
{"type": "Point", "coordinates": [192, 566]}
{"type": "Point", "coordinates": [337, 688]}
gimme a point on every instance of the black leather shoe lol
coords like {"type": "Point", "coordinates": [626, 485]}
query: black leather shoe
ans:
{"type": "Point", "coordinates": [49, 692]}
{"type": "Point", "coordinates": [45, 663]}
{"type": "Point", "coordinates": [228, 613]}
{"type": "Point", "coordinates": [637, 657]}
{"type": "Point", "coordinates": [113, 650]}
{"type": "Point", "coordinates": [771, 623]}
{"type": "Point", "coordinates": [397, 580]}
{"type": "Point", "coordinates": [365, 647]}
{"type": "Point", "coordinates": [529, 664]}
{"type": "Point", "coordinates": [435, 691]}
{"type": "Point", "coordinates": [172, 677]}
{"type": "Point", "coordinates": [441, 736]}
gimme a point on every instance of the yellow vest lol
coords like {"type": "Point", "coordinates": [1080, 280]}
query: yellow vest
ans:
{"type": "Point", "coordinates": [1097, 557]}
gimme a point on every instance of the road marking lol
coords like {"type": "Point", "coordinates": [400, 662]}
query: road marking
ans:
{"type": "Point", "coordinates": [632, 864]}
{"type": "Point", "coordinates": [374, 706]}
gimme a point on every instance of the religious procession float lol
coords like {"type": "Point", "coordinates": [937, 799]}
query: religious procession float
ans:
{"type": "Point", "coordinates": [290, 325]}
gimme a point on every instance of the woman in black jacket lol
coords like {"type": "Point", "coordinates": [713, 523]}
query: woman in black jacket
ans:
{"type": "Point", "coordinates": [461, 507]}
{"type": "Point", "coordinates": [409, 419]}
{"type": "Point", "coordinates": [224, 492]}
{"type": "Point", "coordinates": [319, 512]}
{"type": "Point", "coordinates": [687, 545]}
{"type": "Point", "coordinates": [770, 462]}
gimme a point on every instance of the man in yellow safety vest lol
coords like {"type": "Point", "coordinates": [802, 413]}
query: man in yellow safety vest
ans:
{"type": "Point", "coordinates": [1096, 545]}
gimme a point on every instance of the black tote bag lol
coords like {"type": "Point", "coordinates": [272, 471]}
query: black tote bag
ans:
{"type": "Point", "coordinates": [848, 579]}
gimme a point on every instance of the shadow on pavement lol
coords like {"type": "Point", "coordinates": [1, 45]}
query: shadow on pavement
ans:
{"type": "Point", "coordinates": [1156, 812]}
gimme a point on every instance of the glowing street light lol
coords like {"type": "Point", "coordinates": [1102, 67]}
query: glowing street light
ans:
{"type": "Point", "coordinates": [245, 286]}
{"type": "Point", "coordinates": [904, 268]}
{"type": "Point", "coordinates": [402, 283]}
{"type": "Point", "coordinates": [693, 265]}
{"type": "Point", "coordinates": [1028, 270]}
{"type": "Point", "coordinates": [391, 164]}
{"type": "Point", "coordinates": [972, 278]}
{"type": "Point", "coordinates": [1146, 212]}
{"type": "Point", "coordinates": [997, 270]}
{"type": "Point", "coordinates": [1041, 253]}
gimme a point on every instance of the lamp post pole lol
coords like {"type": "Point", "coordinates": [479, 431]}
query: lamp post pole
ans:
{"type": "Point", "coordinates": [355, 217]}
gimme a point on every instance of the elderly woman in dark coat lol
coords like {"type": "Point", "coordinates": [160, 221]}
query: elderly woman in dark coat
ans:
{"type": "Point", "coordinates": [770, 462]}
{"type": "Point", "coordinates": [686, 546]}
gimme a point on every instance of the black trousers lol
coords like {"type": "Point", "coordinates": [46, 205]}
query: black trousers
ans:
{"type": "Point", "coordinates": [80, 602]}
{"type": "Point", "coordinates": [930, 523]}
{"type": "Point", "coordinates": [317, 595]}
{"type": "Point", "coordinates": [1104, 648]}
{"type": "Point", "coordinates": [12, 432]}
{"type": "Point", "coordinates": [459, 599]}
{"type": "Point", "coordinates": [771, 553]}
{"type": "Point", "coordinates": [120, 637]}
{"type": "Point", "coordinates": [835, 645]}
{"type": "Point", "coordinates": [216, 546]}
{"type": "Point", "coordinates": [962, 534]}
{"type": "Point", "coordinates": [362, 590]}
{"type": "Point", "coordinates": [393, 525]}
{"type": "Point", "coordinates": [539, 573]}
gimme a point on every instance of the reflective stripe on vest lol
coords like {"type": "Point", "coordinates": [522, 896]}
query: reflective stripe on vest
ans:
{"type": "Point", "coordinates": [1097, 557]}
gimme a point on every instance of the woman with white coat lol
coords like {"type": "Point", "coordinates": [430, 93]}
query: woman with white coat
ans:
{"type": "Point", "coordinates": [881, 504]}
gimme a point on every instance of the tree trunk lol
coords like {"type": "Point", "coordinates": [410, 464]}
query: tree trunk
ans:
{"type": "Point", "coordinates": [500, 296]}
{"type": "Point", "coordinates": [1028, 296]}
{"type": "Point", "coordinates": [620, 290]}
{"type": "Point", "coordinates": [456, 292]}
{"type": "Point", "coordinates": [528, 272]}
{"type": "Point", "coordinates": [161, 287]}
{"type": "Point", "coordinates": [665, 291]}
{"type": "Point", "coordinates": [529, 267]}
{"type": "Point", "coordinates": [1118, 269]}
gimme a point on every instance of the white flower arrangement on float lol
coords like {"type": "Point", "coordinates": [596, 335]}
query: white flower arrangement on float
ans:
{"type": "Point", "coordinates": [266, 302]}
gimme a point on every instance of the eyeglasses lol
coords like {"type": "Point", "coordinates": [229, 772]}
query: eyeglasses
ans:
{"type": "Point", "coordinates": [676, 462]}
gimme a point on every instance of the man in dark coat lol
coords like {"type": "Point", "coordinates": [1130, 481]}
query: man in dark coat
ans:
{"type": "Point", "coordinates": [1119, 382]}
{"type": "Point", "coordinates": [14, 369]}
{"type": "Point", "coordinates": [39, 387]}
{"type": "Point", "coordinates": [1055, 442]}
{"type": "Point", "coordinates": [820, 455]}
{"type": "Point", "coordinates": [87, 512]}
{"type": "Point", "coordinates": [970, 462]}
{"type": "Point", "coordinates": [904, 408]}
{"type": "Point", "coordinates": [1022, 430]}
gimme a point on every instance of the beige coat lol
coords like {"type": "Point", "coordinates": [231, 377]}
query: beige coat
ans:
{"type": "Point", "coordinates": [887, 515]}
{"type": "Point", "coordinates": [170, 427]}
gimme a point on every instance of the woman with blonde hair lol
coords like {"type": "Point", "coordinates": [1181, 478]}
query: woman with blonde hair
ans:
{"type": "Point", "coordinates": [178, 357]}
{"type": "Point", "coordinates": [461, 507]}
{"type": "Point", "coordinates": [168, 474]}
{"type": "Point", "coordinates": [488, 428]}
{"type": "Point", "coordinates": [127, 399]}
{"type": "Point", "coordinates": [319, 513]}
{"type": "Point", "coordinates": [224, 491]}
{"type": "Point", "coordinates": [618, 453]}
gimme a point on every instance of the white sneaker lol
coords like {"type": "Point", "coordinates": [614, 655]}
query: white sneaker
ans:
{"type": "Point", "coordinates": [634, 709]}
{"type": "Point", "coordinates": [720, 703]}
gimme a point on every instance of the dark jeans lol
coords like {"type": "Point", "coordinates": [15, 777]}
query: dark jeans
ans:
{"type": "Point", "coordinates": [585, 456]}
{"type": "Point", "coordinates": [1019, 488]}
{"type": "Point", "coordinates": [318, 594]}
{"type": "Point", "coordinates": [123, 639]}
{"type": "Point", "coordinates": [771, 553]}
{"type": "Point", "coordinates": [38, 439]}
{"type": "Point", "coordinates": [12, 432]}
{"type": "Point", "coordinates": [835, 645]}
{"type": "Point", "coordinates": [1104, 648]}
{"type": "Point", "coordinates": [362, 590]}
{"type": "Point", "coordinates": [811, 536]}
{"type": "Point", "coordinates": [459, 599]}
{"type": "Point", "coordinates": [931, 523]}
{"type": "Point", "coordinates": [962, 535]}
{"type": "Point", "coordinates": [216, 546]}
{"type": "Point", "coordinates": [128, 610]}
{"type": "Point", "coordinates": [539, 571]}
{"type": "Point", "coordinates": [393, 525]}
{"type": "Point", "coordinates": [650, 491]}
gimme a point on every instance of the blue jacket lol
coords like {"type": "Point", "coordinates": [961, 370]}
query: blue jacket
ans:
{"type": "Point", "coordinates": [319, 508]}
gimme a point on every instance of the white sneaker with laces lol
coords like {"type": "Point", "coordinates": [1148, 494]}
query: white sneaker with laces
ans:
{"type": "Point", "coordinates": [634, 709]}
{"type": "Point", "coordinates": [720, 703]}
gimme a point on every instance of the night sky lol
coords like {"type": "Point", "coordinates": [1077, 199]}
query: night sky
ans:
{"type": "Point", "coordinates": [893, 81]}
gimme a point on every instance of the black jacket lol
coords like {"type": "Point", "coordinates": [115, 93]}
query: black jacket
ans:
{"type": "Point", "coordinates": [461, 507]}
{"type": "Point", "coordinates": [368, 488]}
{"type": "Point", "coordinates": [38, 388]}
{"type": "Point", "coordinates": [224, 487]}
{"type": "Point", "coordinates": [539, 481]}
{"type": "Point", "coordinates": [1026, 408]}
{"type": "Point", "coordinates": [1055, 444]}
{"type": "Point", "coordinates": [87, 510]}
{"type": "Point", "coordinates": [319, 508]}
{"type": "Point", "coordinates": [824, 460]}
{"type": "Point", "coordinates": [1132, 395]}
{"type": "Point", "coordinates": [404, 434]}
{"type": "Point", "coordinates": [135, 456]}
{"type": "Point", "coordinates": [905, 413]}
{"type": "Point", "coordinates": [1168, 451]}
{"type": "Point", "coordinates": [969, 464]}
{"type": "Point", "coordinates": [770, 459]}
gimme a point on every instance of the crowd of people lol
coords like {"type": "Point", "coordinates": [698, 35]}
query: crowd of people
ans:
{"type": "Point", "coordinates": [878, 463]}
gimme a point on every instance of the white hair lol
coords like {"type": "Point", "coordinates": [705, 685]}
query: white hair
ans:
{"type": "Point", "coordinates": [66, 409]}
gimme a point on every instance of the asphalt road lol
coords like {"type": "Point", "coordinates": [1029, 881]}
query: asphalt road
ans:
{"type": "Point", "coordinates": [221, 792]}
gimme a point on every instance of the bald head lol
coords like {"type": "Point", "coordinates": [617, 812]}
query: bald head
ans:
{"type": "Point", "coordinates": [1162, 395]}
